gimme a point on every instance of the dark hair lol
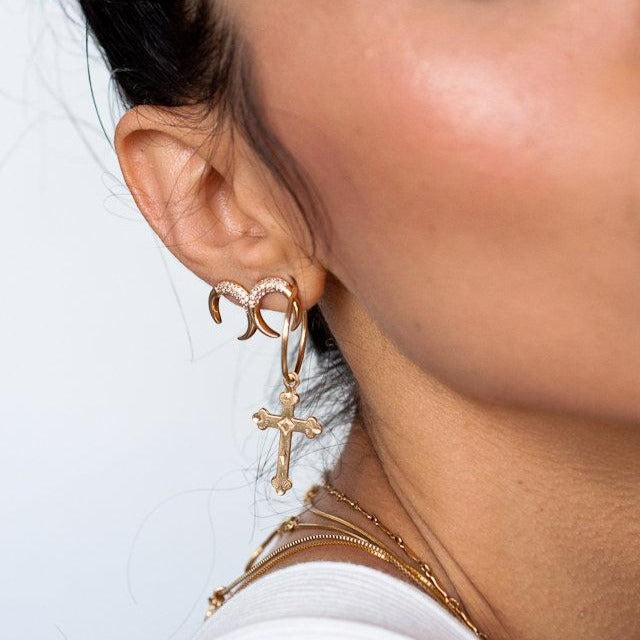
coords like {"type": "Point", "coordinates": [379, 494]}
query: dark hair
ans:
{"type": "Point", "coordinates": [188, 52]}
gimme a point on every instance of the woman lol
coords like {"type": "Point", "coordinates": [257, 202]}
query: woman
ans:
{"type": "Point", "coordinates": [454, 188]}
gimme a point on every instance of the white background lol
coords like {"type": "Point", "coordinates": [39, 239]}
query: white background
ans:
{"type": "Point", "coordinates": [128, 457]}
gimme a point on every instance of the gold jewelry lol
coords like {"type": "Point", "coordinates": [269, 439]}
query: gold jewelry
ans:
{"type": "Point", "coordinates": [295, 316]}
{"type": "Point", "coordinates": [250, 302]}
{"type": "Point", "coordinates": [442, 596]}
{"type": "Point", "coordinates": [286, 422]}
{"type": "Point", "coordinates": [346, 534]}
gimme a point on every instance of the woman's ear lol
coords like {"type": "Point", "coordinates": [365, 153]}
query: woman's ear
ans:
{"type": "Point", "coordinates": [210, 202]}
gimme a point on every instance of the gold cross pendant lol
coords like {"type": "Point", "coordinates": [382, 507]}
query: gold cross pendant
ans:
{"type": "Point", "coordinates": [286, 423]}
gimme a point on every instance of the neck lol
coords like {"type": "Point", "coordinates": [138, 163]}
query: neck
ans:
{"type": "Point", "coordinates": [530, 519]}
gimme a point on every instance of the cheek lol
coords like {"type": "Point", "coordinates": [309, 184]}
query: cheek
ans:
{"type": "Point", "coordinates": [492, 228]}
{"type": "Point", "coordinates": [483, 206]}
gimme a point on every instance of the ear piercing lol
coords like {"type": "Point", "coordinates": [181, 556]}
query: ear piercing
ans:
{"type": "Point", "coordinates": [250, 302]}
{"type": "Point", "coordinates": [295, 316]}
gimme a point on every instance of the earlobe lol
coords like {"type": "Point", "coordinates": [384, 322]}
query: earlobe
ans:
{"type": "Point", "coordinates": [185, 182]}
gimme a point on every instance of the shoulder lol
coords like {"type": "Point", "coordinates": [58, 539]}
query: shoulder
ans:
{"type": "Point", "coordinates": [322, 600]}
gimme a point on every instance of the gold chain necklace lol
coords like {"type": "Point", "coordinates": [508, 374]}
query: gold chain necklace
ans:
{"type": "Point", "coordinates": [341, 533]}
{"type": "Point", "coordinates": [442, 596]}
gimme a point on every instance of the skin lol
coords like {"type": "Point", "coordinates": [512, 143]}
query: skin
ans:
{"type": "Point", "coordinates": [479, 163]}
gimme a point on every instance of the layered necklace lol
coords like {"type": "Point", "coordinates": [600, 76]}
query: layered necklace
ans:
{"type": "Point", "coordinates": [336, 531]}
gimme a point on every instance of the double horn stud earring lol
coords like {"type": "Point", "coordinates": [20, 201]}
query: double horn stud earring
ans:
{"type": "Point", "coordinates": [295, 316]}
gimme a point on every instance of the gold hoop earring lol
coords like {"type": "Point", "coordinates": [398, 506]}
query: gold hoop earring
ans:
{"type": "Point", "coordinates": [295, 316]}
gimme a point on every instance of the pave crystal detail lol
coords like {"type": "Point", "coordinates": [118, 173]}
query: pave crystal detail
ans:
{"type": "Point", "coordinates": [251, 299]}
{"type": "Point", "coordinates": [234, 291]}
{"type": "Point", "coordinates": [250, 302]}
{"type": "Point", "coordinates": [267, 285]}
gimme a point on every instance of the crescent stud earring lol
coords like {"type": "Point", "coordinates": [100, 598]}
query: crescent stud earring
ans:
{"type": "Point", "coordinates": [250, 302]}
{"type": "Point", "coordinates": [295, 316]}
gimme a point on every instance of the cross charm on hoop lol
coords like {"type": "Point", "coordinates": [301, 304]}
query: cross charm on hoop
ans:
{"type": "Point", "coordinates": [287, 423]}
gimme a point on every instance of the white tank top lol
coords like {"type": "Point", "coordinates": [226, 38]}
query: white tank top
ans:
{"type": "Point", "coordinates": [330, 600]}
